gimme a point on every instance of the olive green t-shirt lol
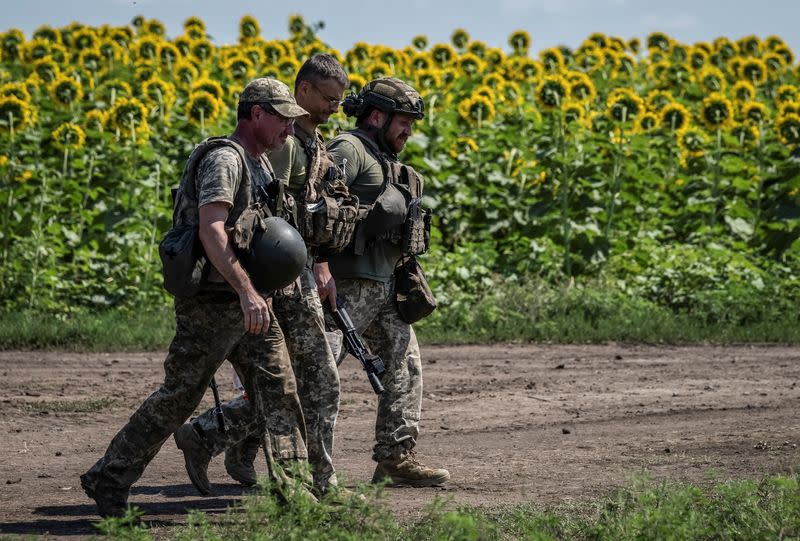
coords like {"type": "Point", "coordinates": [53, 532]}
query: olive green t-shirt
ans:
{"type": "Point", "coordinates": [363, 175]}
{"type": "Point", "coordinates": [290, 164]}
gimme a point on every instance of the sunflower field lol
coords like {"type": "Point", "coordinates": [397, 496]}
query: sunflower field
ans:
{"type": "Point", "coordinates": [659, 168]}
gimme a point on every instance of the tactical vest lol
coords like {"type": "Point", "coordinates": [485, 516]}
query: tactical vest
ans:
{"type": "Point", "coordinates": [328, 212]}
{"type": "Point", "coordinates": [397, 215]}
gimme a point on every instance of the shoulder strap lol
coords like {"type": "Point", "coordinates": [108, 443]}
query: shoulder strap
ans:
{"type": "Point", "coordinates": [187, 187]}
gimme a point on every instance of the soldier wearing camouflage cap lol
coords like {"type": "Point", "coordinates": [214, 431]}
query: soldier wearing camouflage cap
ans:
{"type": "Point", "coordinates": [385, 111]}
{"type": "Point", "coordinates": [304, 168]}
{"type": "Point", "coordinates": [228, 317]}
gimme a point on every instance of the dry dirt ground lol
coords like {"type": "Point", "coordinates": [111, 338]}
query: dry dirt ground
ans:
{"type": "Point", "coordinates": [512, 423]}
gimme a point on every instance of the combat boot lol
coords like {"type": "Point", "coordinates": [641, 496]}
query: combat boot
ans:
{"type": "Point", "coordinates": [110, 502]}
{"type": "Point", "coordinates": [196, 457]}
{"type": "Point", "coordinates": [239, 459]}
{"type": "Point", "coordinates": [408, 471]}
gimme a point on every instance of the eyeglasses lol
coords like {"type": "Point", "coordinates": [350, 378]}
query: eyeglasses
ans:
{"type": "Point", "coordinates": [285, 121]}
{"type": "Point", "coordinates": [331, 100]}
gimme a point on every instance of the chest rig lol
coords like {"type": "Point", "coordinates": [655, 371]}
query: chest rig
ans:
{"type": "Point", "coordinates": [397, 215]}
{"type": "Point", "coordinates": [328, 212]}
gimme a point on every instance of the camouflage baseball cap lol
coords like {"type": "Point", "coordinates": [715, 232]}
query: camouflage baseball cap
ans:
{"type": "Point", "coordinates": [273, 92]}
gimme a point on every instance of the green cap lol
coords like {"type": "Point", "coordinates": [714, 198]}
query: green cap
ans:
{"type": "Point", "coordinates": [273, 92]}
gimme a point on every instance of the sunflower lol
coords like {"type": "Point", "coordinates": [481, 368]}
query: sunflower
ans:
{"type": "Point", "coordinates": [494, 56]}
{"type": "Point", "coordinates": [657, 99]}
{"type": "Point", "coordinates": [442, 54]}
{"type": "Point", "coordinates": [656, 55]}
{"type": "Point", "coordinates": [754, 112]}
{"type": "Point", "coordinates": [394, 58]}
{"type": "Point", "coordinates": [786, 53]}
{"type": "Point", "coordinates": [634, 45]}
{"type": "Point", "coordinates": [486, 92]}
{"type": "Point", "coordinates": [495, 81]}
{"type": "Point", "coordinates": [552, 59]}
{"type": "Point", "coordinates": [476, 110]}
{"type": "Point", "coordinates": [427, 80]}
{"type": "Point", "coordinates": [144, 70]}
{"type": "Point", "coordinates": [185, 72]}
{"type": "Point", "coordinates": [357, 82]}
{"type": "Point", "coordinates": [753, 70]}
{"type": "Point", "coordinates": [65, 90]}
{"type": "Point", "coordinates": [574, 112]}
{"type": "Point", "coordinates": [692, 143]}
{"type": "Point", "coordinates": [112, 89]}
{"type": "Point", "coordinates": [552, 92]}
{"type": "Point", "coordinates": [743, 91]}
{"type": "Point", "coordinates": [716, 111]}
{"type": "Point", "coordinates": [599, 39]}
{"type": "Point", "coordinates": [659, 40]}
{"type": "Point", "coordinates": [273, 51]}
{"type": "Point", "coordinates": [296, 24]}
{"type": "Point", "coordinates": [203, 50]}
{"type": "Point", "coordinates": [18, 90]}
{"type": "Point", "coordinates": [92, 61]}
{"type": "Point", "coordinates": [47, 33]}
{"type": "Point", "coordinates": [520, 42]}
{"type": "Point", "coordinates": [674, 117]}
{"type": "Point", "coordinates": [711, 79]}
{"type": "Point", "coordinates": [208, 85]}
{"type": "Point", "coordinates": [647, 122]}
{"type": "Point", "coordinates": [194, 22]}
{"type": "Point", "coordinates": [146, 48]}
{"type": "Point", "coordinates": [95, 120]}
{"type": "Point", "coordinates": [590, 60]}
{"type": "Point", "coordinates": [624, 105]}
{"type": "Point", "coordinates": [421, 61]}
{"type": "Point", "coordinates": [478, 48]}
{"type": "Point", "coordinates": [581, 87]}
{"type": "Point", "coordinates": [725, 48]}
{"type": "Point", "coordinates": [249, 29]}
{"type": "Point", "coordinates": [168, 54]}
{"type": "Point", "coordinates": [15, 113]}
{"type": "Point", "coordinates": [112, 52]}
{"type": "Point", "coordinates": [159, 91]}
{"type": "Point", "coordinates": [154, 27]}
{"type": "Point", "coordinates": [239, 68]}
{"type": "Point", "coordinates": [512, 93]}
{"type": "Point", "coordinates": [775, 63]}
{"type": "Point", "coordinates": [11, 44]}
{"type": "Point", "coordinates": [750, 46]}
{"type": "Point", "coordinates": [625, 64]}
{"type": "Point", "coordinates": [35, 49]}
{"type": "Point", "coordinates": [84, 38]}
{"type": "Point", "coordinates": [462, 146]}
{"type": "Point", "coordinates": [746, 134]}
{"type": "Point", "coordinates": [792, 107]}
{"type": "Point", "coordinates": [129, 117]}
{"type": "Point", "coordinates": [360, 52]}
{"type": "Point", "coordinates": [788, 129]}
{"type": "Point", "coordinates": [521, 68]}
{"type": "Point", "coordinates": [470, 64]}
{"type": "Point", "coordinates": [420, 42]}
{"type": "Point", "coordinates": [679, 53]}
{"type": "Point", "coordinates": [202, 107]}
{"type": "Point", "coordinates": [68, 136]}
{"type": "Point", "coordinates": [459, 38]}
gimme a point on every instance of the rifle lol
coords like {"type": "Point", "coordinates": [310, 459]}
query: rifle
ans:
{"type": "Point", "coordinates": [372, 364]}
{"type": "Point", "coordinates": [217, 405]}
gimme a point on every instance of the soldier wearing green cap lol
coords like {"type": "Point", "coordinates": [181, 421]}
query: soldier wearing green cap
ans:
{"type": "Point", "coordinates": [228, 317]}
{"type": "Point", "coordinates": [385, 111]}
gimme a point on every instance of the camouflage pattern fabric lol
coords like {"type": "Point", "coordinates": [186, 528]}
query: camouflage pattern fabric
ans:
{"type": "Point", "coordinates": [371, 307]}
{"type": "Point", "coordinates": [209, 330]}
{"type": "Point", "coordinates": [299, 312]}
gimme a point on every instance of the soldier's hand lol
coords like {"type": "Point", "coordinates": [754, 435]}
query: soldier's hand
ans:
{"type": "Point", "coordinates": [255, 310]}
{"type": "Point", "coordinates": [326, 285]}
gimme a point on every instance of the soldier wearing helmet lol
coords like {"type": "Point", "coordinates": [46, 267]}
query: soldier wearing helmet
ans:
{"type": "Point", "coordinates": [363, 275]}
{"type": "Point", "coordinates": [229, 316]}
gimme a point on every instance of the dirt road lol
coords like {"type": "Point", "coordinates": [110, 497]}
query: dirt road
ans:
{"type": "Point", "coordinates": [511, 423]}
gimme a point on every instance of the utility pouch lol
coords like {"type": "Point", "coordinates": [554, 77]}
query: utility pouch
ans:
{"type": "Point", "coordinates": [417, 229]}
{"type": "Point", "coordinates": [184, 262]}
{"type": "Point", "coordinates": [412, 294]}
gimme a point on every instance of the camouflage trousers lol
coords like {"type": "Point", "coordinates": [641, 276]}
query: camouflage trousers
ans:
{"type": "Point", "coordinates": [209, 330]}
{"type": "Point", "coordinates": [299, 313]}
{"type": "Point", "coordinates": [371, 307]}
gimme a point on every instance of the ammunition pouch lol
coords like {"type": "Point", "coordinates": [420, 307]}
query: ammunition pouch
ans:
{"type": "Point", "coordinates": [417, 229]}
{"type": "Point", "coordinates": [330, 222]}
{"type": "Point", "coordinates": [412, 295]}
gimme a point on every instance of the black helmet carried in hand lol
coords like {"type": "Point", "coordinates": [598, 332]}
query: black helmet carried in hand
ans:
{"type": "Point", "coordinates": [277, 256]}
{"type": "Point", "coordinates": [386, 94]}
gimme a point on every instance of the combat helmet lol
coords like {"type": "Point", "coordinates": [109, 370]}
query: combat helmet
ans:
{"type": "Point", "coordinates": [387, 94]}
{"type": "Point", "coordinates": [276, 257]}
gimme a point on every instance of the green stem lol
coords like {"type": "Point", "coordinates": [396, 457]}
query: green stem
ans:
{"type": "Point", "coordinates": [616, 181]}
{"type": "Point", "coordinates": [37, 242]}
{"type": "Point", "coordinates": [717, 177]}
